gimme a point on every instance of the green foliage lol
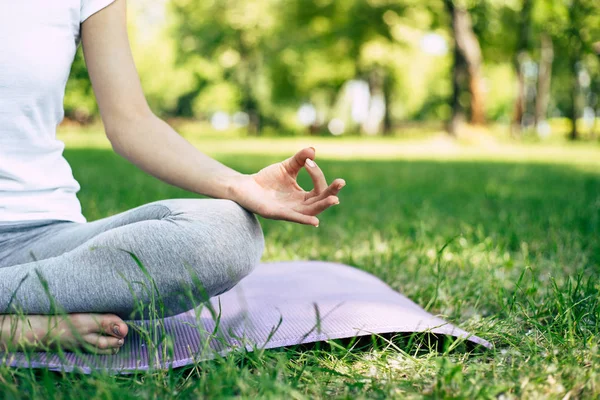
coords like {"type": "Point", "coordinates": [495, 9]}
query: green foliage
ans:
{"type": "Point", "coordinates": [574, 27]}
{"type": "Point", "coordinates": [237, 38]}
{"type": "Point", "coordinates": [268, 57]}
{"type": "Point", "coordinates": [80, 103]}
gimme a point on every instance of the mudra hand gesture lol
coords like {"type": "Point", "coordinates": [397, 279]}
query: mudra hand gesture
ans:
{"type": "Point", "coordinates": [274, 193]}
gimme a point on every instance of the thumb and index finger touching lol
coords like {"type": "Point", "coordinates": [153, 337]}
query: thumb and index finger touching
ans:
{"type": "Point", "coordinates": [295, 163]}
{"type": "Point", "coordinates": [305, 158]}
{"type": "Point", "coordinates": [322, 196]}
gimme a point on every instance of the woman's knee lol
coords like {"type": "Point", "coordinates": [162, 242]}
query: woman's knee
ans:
{"type": "Point", "coordinates": [223, 243]}
{"type": "Point", "coordinates": [217, 216]}
{"type": "Point", "coordinates": [237, 238]}
{"type": "Point", "coordinates": [225, 219]}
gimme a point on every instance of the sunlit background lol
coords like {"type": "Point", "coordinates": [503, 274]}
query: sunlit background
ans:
{"type": "Point", "coordinates": [521, 68]}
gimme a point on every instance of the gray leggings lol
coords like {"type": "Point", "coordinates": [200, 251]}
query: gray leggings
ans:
{"type": "Point", "coordinates": [172, 254]}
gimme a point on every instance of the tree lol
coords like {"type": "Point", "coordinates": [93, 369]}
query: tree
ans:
{"type": "Point", "coordinates": [596, 87]}
{"type": "Point", "coordinates": [522, 53]}
{"type": "Point", "coordinates": [544, 78]}
{"type": "Point", "coordinates": [342, 31]}
{"type": "Point", "coordinates": [238, 35]}
{"type": "Point", "coordinates": [584, 17]}
{"type": "Point", "coordinates": [571, 28]}
{"type": "Point", "coordinates": [467, 66]}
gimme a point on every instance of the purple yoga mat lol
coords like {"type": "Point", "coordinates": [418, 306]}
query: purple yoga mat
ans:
{"type": "Point", "coordinates": [279, 304]}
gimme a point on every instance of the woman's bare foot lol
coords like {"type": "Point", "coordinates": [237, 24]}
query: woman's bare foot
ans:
{"type": "Point", "coordinates": [97, 333]}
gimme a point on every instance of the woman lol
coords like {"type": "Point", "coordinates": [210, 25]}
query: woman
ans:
{"type": "Point", "coordinates": [97, 273]}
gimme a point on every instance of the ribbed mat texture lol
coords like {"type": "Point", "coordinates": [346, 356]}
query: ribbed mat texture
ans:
{"type": "Point", "coordinates": [279, 304]}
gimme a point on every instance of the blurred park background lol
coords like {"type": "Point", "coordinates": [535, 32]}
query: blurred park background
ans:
{"type": "Point", "coordinates": [521, 68]}
{"type": "Point", "coordinates": [468, 134]}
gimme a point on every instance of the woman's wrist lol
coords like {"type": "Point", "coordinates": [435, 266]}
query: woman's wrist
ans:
{"type": "Point", "coordinates": [233, 185]}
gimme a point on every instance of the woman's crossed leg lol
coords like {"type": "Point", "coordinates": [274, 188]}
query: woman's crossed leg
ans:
{"type": "Point", "coordinates": [66, 283]}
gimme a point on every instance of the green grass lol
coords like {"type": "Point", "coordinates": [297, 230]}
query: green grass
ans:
{"type": "Point", "coordinates": [521, 269]}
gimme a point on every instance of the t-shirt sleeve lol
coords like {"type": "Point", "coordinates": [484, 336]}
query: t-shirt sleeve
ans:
{"type": "Point", "coordinates": [90, 7]}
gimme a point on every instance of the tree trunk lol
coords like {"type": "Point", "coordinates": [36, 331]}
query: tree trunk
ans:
{"type": "Point", "coordinates": [459, 74]}
{"type": "Point", "coordinates": [519, 110]}
{"type": "Point", "coordinates": [246, 78]}
{"type": "Point", "coordinates": [387, 96]}
{"type": "Point", "coordinates": [253, 123]}
{"type": "Point", "coordinates": [594, 134]}
{"type": "Point", "coordinates": [468, 50]}
{"type": "Point", "coordinates": [250, 107]}
{"type": "Point", "coordinates": [476, 87]}
{"type": "Point", "coordinates": [574, 54]}
{"type": "Point", "coordinates": [520, 55]}
{"type": "Point", "coordinates": [544, 79]}
{"type": "Point", "coordinates": [573, 110]}
{"type": "Point", "coordinates": [468, 46]}
{"type": "Point", "coordinates": [376, 123]}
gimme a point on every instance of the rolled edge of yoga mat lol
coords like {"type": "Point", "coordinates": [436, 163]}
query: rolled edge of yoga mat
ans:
{"type": "Point", "coordinates": [280, 304]}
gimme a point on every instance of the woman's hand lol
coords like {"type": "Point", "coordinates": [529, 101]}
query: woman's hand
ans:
{"type": "Point", "coordinates": [274, 193]}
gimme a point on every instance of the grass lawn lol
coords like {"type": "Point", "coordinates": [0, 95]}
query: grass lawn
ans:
{"type": "Point", "coordinates": [521, 269]}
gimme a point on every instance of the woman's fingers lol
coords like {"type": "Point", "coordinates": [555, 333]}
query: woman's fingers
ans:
{"type": "Point", "coordinates": [295, 216]}
{"type": "Point", "coordinates": [317, 176]}
{"type": "Point", "coordinates": [294, 164]}
{"type": "Point", "coordinates": [332, 190]}
{"type": "Point", "coordinates": [306, 213]}
{"type": "Point", "coordinates": [319, 206]}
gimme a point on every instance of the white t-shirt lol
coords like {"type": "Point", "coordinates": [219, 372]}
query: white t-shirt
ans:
{"type": "Point", "coordinates": [38, 40]}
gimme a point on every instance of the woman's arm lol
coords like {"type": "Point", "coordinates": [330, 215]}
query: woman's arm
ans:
{"type": "Point", "coordinates": [133, 130]}
{"type": "Point", "coordinates": [151, 144]}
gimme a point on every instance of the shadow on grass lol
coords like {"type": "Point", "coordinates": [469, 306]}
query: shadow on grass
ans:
{"type": "Point", "coordinates": [395, 215]}
{"type": "Point", "coordinates": [512, 220]}
{"type": "Point", "coordinates": [543, 205]}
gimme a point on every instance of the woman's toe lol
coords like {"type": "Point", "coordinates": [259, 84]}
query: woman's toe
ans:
{"type": "Point", "coordinates": [104, 344]}
{"type": "Point", "coordinates": [114, 326]}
